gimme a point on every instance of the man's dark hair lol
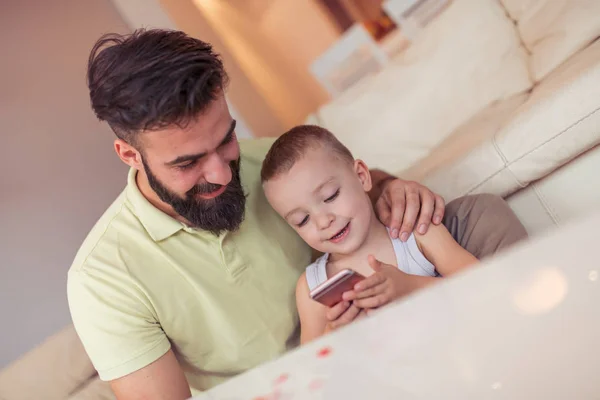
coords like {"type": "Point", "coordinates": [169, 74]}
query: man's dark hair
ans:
{"type": "Point", "coordinates": [152, 79]}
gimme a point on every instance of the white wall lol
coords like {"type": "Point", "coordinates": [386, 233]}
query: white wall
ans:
{"type": "Point", "coordinates": [58, 171]}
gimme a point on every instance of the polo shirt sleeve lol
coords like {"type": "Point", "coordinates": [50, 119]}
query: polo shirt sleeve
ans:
{"type": "Point", "coordinates": [115, 322]}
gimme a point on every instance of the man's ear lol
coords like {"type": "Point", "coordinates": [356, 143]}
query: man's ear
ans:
{"type": "Point", "coordinates": [362, 171]}
{"type": "Point", "coordinates": [128, 154]}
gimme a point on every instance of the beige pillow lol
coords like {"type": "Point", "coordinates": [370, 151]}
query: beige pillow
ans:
{"type": "Point", "coordinates": [467, 58]}
{"type": "Point", "coordinates": [553, 30]}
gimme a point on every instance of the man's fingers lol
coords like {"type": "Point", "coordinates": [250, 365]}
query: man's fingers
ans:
{"type": "Point", "coordinates": [440, 209]}
{"type": "Point", "coordinates": [383, 211]}
{"type": "Point", "coordinates": [411, 211]}
{"type": "Point", "coordinates": [334, 312]}
{"type": "Point", "coordinates": [427, 209]}
{"type": "Point", "coordinates": [371, 302]}
{"type": "Point", "coordinates": [398, 208]}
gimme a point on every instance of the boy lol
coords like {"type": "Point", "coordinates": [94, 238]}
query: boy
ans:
{"type": "Point", "coordinates": [316, 185]}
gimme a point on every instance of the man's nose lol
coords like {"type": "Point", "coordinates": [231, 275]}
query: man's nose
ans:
{"type": "Point", "coordinates": [324, 220]}
{"type": "Point", "coordinates": [218, 170]}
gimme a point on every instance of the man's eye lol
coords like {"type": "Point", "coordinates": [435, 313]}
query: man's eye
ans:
{"type": "Point", "coordinates": [303, 222]}
{"type": "Point", "coordinates": [333, 196]}
{"type": "Point", "coordinates": [228, 139]}
{"type": "Point", "coordinates": [185, 166]}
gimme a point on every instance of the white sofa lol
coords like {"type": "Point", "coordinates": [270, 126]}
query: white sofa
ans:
{"type": "Point", "coordinates": [499, 96]}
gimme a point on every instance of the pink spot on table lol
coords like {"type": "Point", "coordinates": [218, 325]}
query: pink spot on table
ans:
{"type": "Point", "coordinates": [281, 379]}
{"type": "Point", "coordinates": [324, 352]}
{"type": "Point", "coordinates": [316, 384]}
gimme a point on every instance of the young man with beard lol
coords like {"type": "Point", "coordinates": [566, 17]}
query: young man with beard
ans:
{"type": "Point", "coordinates": [189, 276]}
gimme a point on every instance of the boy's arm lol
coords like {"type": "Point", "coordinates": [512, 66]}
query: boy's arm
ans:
{"type": "Point", "coordinates": [440, 248]}
{"type": "Point", "coordinates": [316, 319]}
{"type": "Point", "coordinates": [313, 319]}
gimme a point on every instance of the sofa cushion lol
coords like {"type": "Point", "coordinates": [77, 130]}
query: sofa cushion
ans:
{"type": "Point", "coordinates": [468, 136]}
{"type": "Point", "coordinates": [560, 197]}
{"type": "Point", "coordinates": [560, 120]}
{"type": "Point", "coordinates": [553, 30]}
{"type": "Point", "coordinates": [467, 58]}
{"type": "Point", "coordinates": [53, 370]}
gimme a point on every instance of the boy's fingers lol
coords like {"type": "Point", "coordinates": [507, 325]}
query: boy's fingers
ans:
{"type": "Point", "coordinates": [373, 291]}
{"type": "Point", "coordinates": [334, 312]}
{"type": "Point", "coordinates": [374, 263]}
{"type": "Point", "coordinates": [373, 280]}
{"type": "Point", "coordinates": [371, 302]}
{"type": "Point", "coordinates": [347, 317]}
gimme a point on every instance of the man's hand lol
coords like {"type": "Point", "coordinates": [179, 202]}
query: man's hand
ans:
{"type": "Point", "coordinates": [387, 284]}
{"type": "Point", "coordinates": [341, 314]}
{"type": "Point", "coordinates": [401, 202]}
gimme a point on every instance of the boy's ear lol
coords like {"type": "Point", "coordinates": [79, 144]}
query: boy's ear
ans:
{"type": "Point", "coordinates": [362, 171]}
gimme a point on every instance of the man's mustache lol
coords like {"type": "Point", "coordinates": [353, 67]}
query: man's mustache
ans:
{"type": "Point", "coordinates": [207, 187]}
{"type": "Point", "coordinates": [203, 188]}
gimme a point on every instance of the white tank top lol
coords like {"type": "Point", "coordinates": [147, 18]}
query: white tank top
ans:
{"type": "Point", "coordinates": [408, 257]}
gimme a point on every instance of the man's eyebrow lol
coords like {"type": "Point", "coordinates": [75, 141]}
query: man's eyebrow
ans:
{"type": "Point", "coordinates": [193, 157]}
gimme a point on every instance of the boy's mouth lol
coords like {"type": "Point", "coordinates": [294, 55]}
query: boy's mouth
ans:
{"type": "Point", "coordinates": [338, 237]}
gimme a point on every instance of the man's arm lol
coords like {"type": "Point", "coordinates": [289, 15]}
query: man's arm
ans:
{"type": "Point", "coordinates": [161, 380]}
{"type": "Point", "coordinates": [399, 203]}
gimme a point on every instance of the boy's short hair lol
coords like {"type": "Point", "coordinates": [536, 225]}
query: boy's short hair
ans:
{"type": "Point", "coordinates": [292, 145]}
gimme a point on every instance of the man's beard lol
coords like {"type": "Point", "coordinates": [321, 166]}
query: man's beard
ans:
{"type": "Point", "coordinates": [220, 214]}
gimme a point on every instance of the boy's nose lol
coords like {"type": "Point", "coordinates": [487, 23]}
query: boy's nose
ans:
{"type": "Point", "coordinates": [324, 220]}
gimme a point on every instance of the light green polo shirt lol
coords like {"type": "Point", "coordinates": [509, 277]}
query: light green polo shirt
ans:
{"type": "Point", "coordinates": [142, 283]}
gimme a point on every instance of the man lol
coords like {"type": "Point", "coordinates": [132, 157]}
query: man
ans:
{"type": "Point", "coordinates": [189, 276]}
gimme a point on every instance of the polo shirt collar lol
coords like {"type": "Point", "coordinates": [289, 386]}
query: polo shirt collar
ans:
{"type": "Point", "coordinates": [158, 224]}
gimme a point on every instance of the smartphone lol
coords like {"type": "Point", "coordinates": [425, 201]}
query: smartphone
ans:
{"type": "Point", "coordinates": [329, 293]}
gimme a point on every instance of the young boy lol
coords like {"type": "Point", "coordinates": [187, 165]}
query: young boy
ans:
{"type": "Point", "coordinates": [316, 185]}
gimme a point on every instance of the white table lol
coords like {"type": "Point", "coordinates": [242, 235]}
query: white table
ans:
{"type": "Point", "coordinates": [525, 325]}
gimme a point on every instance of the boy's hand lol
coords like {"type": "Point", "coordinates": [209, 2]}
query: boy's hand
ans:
{"type": "Point", "coordinates": [341, 314]}
{"type": "Point", "coordinates": [387, 284]}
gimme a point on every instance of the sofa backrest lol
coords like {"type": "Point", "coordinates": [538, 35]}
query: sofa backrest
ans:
{"type": "Point", "coordinates": [554, 30]}
{"type": "Point", "coordinates": [464, 60]}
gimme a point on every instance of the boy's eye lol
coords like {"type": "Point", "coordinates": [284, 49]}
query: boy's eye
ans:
{"type": "Point", "coordinates": [303, 222]}
{"type": "Point", "coordinates": [333, 196]}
